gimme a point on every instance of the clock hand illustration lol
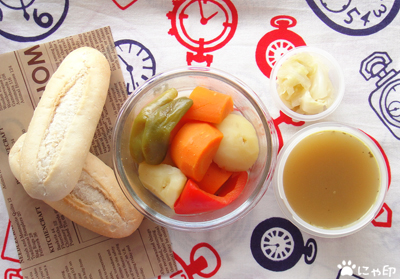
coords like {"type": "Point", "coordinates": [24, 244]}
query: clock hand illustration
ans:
{"type": "Point", "coordinates": [129, 68]}
{"type": "Point", "coordinates": [139, 63]}
{"type": "Point", "coordinates": [204, 20]}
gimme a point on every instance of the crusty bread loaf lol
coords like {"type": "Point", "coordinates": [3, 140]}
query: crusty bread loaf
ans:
{"type": "Point", "coordinates": [63, 125]}
{"type": "Point", "coordinates": [96, 202]}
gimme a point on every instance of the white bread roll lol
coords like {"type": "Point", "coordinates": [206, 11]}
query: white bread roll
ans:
{"type": "Point", "coordinates": [96, 203]}
{"type": "Point", "coordinates": [63, 125]}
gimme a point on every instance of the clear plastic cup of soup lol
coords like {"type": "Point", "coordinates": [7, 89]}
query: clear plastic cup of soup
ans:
{"type": "Point", "coordinates": [331, 179]}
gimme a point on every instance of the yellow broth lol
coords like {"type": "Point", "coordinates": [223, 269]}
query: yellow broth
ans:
{"type": "Point", "coordinates": [331, 179]}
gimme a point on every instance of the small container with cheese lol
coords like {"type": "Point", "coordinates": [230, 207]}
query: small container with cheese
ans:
{"type": "Point", "coordinates": [307, 83]}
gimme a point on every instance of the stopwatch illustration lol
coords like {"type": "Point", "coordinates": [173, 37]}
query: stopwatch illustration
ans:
{"type": "Point", "coordinates": [198, 262]}
{"type": "Point", "coordinates": [385, 99]}
{"type": "Point", "coordinates": [277, 245]}
{"type": "Point", "coordinates": [30, 20]}
{"type": "Point", "coordinates": [137, 62]}
{"type": "Point", "coordinates": [203, 26]}
{"type": "Point", "coordinates": [355, 17]}
{"type": "Point", "coordinates": [276, 43]}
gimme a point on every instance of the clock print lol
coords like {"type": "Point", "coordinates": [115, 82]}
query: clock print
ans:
{"type": "Point", "coordinates": [30, 20]}
{"type": "Point", "coordinates": [385, 99]}
{"type": "Point", "coordinates": [276, 43]}
{"type": "Point", "coordinates": [336, 6]}
{"type": "Point", "coordinates": [137, 62]}
{"type": "Point", "coordinates": [203, 26]}
{"type": "Point", "coordinates": [356, 17]}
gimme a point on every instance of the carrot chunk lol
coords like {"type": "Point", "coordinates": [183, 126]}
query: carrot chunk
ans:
{"type": "Point", "coordinates": [214, 178]}
{"type": "Point", "coordinates": [193, 148]}
{"type": "Point", "coordinates": [209, 106]}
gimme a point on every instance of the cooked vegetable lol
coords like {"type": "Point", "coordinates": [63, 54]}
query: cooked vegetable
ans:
{"type": "Point", "coordinates": [209, 106]}
{"type": "Point", "coordinates": [164, 181]}
{"type": "Point", "coordinates": [214, 178]}
{"type": "Point", "coordinates": [194, 200]}
{"type": "Point", "coordinates": [239, 148]}
{"type": "Point", "coordinates": [194, 147]}
{"type": "Point", "coordinates": [156, 134]}
{"type": "Point", "coordinates": [140, 122]}
{"type": "Point", "coordinates": [304, 85]}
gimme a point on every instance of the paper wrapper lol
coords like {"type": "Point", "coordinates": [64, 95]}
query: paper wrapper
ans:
{"type": "Point", "coordinates": [48, 244]}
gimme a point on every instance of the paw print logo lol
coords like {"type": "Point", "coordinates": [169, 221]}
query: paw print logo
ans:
{"type": "Point", "coordinates": [346, 269]}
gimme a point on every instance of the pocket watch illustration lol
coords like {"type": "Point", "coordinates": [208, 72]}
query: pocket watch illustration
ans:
{"type": "Point", "coordinates": [385, 99]}
{"type": "Point", "coordinates": [203, 26]}
{"type": "Point", "coordinates": [276, 43]}
{"type": "Point", "coordinates": [137, 63]}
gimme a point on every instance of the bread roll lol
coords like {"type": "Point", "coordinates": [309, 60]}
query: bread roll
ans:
{"type": "Point", "coordinates": [96, 202]}
{"type": "Point", "coordinates": [63, 125]}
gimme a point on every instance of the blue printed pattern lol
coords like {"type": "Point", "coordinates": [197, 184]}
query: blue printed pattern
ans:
{"type": "Point", "coordinates": [32, 16]}
{"type": "Point", "coordinates": [355, 17]}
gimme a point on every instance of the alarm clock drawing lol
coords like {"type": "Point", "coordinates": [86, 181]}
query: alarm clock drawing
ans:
{"type": "Point", "coordinates": [276, 43]}
{"type": "Point", "coordinates": [137, 62]}
{"type": "Point", "coordinates": [203, 26]}
{"type": "Point", "coordinates": [385, 99]}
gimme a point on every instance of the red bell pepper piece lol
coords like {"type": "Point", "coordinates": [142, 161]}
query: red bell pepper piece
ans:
{"type": "Point", "coordinates": [194, 200]}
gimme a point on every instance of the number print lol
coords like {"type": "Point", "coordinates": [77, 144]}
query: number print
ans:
{"type": "Point", "coordinates": [350, 20]}
{"type": "Point", "coordinates": [380, 12]}
{"type": "Point", "coordinates": [44, 20]}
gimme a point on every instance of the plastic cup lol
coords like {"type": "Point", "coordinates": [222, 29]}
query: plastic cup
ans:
{"type": "Point", "coordinates": [335, 74]}
{"type": "Point", "coordinates": [290, 212]}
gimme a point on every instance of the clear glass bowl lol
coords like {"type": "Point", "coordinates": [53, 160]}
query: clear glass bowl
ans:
{"type": "Point", "coordinates": [369, 214]}
{"type": "Point", "coordinates": [185, 80]}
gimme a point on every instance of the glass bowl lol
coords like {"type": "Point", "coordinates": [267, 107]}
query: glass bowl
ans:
{"type": "Point", "coordinates": [282, 197]}
{"type": "Point", "coordinates": [185, 80]}
{"type": "Point", "coordinates": [335, 74]}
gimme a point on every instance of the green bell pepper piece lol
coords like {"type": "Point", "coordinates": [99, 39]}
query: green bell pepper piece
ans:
{"type": "Point", "coordinates": [156, 135]}
{"type": "Point", "coordinates": [140, 122]}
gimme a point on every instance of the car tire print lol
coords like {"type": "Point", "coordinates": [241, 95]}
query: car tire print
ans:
{"type": "Point", "coordinates": [277, 245]}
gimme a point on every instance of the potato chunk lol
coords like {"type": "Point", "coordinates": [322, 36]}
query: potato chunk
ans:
{"type": "Point", "coordinates": [238, 149]}
{"type": "Point", "coordinates": [164, 181]}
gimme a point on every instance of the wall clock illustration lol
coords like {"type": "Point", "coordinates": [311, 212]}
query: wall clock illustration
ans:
{"type": "Point", "coordinates": [30, 20]}
{"type": "Point", "coordinates": [137, 63]}
{"type": "Point", "coordinates": [355, 17]}
{"type": "Point", "coordinates": [276, 43]}
{"type": "Point", "coordinates": [203, 26]}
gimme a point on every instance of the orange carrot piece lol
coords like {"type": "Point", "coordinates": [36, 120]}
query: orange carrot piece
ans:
{"type": "Point", "coordinates": [214, 178]}
{"type": "Point", "coordinates": [193, 148]}
{"type": "Point", "coordinates": [209, 106]}
{"type": "Point", "coordinates": [177, 127]}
